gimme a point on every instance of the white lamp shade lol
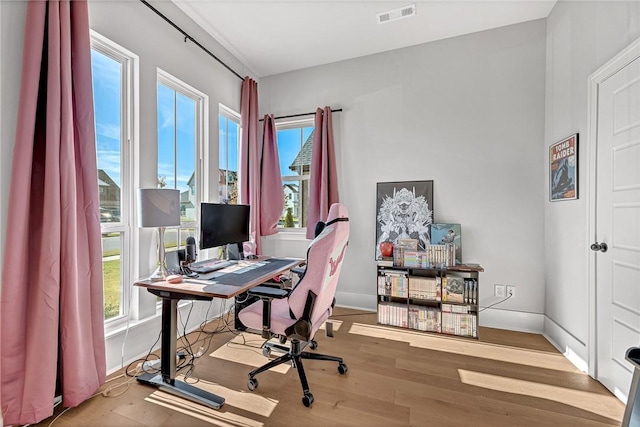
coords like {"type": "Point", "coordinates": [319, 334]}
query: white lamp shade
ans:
{"type": "Point", "coordinates": [158, 207]}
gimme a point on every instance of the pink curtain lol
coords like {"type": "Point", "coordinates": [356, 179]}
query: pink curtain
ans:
{"type": "Point", "coordinates": [271, 193]}
{"type": "Point", "coordinates": [323, 185]}
{"type": "Point", "coordinates": [249, 168]}
{"type": "Point", "coordinates": [51, 307]}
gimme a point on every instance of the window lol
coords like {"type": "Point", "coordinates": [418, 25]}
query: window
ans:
{"type": "Point", "coordinates": [180, 135]}
{"type": "Point", "coordinates": [295, 145]}
{"type": "Point", "coordinates": [229, 143]}
{"type": "Point", "coordinates": [112, 71]}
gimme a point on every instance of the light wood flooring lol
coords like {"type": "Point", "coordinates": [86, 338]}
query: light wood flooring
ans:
{"type": "Point", "coordinates": [395, 378]}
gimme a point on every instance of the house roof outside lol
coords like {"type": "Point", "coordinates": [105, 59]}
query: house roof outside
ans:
{"type": "Point", "coordinates": [104, 180]}
{"type": "Point", "coordinates": [304, 155]}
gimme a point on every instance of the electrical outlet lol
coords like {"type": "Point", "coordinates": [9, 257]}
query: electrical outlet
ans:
{"type": "Point", "coordinates": [498, 290]}
{"type": "Point", "coordinates": [511, 291]}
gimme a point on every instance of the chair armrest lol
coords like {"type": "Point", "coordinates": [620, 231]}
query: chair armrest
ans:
{"type": "Point", "coordinates": [299, 271]}
{"type": "Point", "coordinates": [268, 292]}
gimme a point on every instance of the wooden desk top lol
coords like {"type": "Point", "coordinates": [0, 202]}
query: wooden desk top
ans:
{"type": "Point", "coordinates": [203, 287]}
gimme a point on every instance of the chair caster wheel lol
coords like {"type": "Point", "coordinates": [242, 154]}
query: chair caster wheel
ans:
{"type": "Point", "coordinates": [282, 339]}
{"type": "Point", "coordinates": [252, 384]}
{"type": "Point", "coordinates": [307, 399]}
{"type": "Point", "coordinates": [342, 368]}
{"type": "Point", "coordinates": [266, 351]}
{"type": "Point", "coordinates": [313, 344]}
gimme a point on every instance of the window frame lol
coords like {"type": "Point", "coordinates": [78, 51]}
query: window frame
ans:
{"type": "Point", "coordinates": [285, 124]}
{"type": "Point", "coordinates": [129, 119]}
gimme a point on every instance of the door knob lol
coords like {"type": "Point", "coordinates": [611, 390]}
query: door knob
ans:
{"type": "Point", "coordinates": [602, 247]}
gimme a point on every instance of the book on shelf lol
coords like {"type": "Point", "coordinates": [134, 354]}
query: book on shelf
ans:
{"type": "Point", "coordinates": [424, 318]}
{"type": "Point", "coordinates": [470, 291]}
{"type": "Point", "coordinates": [460, 324]}
{"type": "Point", "coordinates": [393, 283]}
{"type": "Point", "coordinates": [424, 288]}
{"type": "Point", "coordinates": [386, 262]}
{"type": "Point", "coordinates": [453, 288]}
{"type": "Point", "coordinates": [393, 314]}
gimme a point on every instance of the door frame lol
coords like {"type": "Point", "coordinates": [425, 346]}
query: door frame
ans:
{"type": "Point", "coordinates": [615, 64]}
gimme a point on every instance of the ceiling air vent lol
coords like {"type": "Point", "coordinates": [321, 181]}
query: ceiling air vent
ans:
{"type": "Point", "coordinates": [395, 14]}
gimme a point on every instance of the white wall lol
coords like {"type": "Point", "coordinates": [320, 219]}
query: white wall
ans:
{"type": "Point", "coordinates": [138, 29]}
{"type": "Point", "coordinates": [581, 36]}
{"type": "Point", "coordinates": [466, 112]}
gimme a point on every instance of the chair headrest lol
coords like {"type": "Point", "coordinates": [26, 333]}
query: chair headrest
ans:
{"type": "Point", "coordinates": [337, 212]}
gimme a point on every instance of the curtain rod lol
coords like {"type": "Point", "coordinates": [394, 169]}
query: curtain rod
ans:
{"type": "Point", "coordinates": [188, 37]}
{"type": "Point", "coordinates": [301, 114]}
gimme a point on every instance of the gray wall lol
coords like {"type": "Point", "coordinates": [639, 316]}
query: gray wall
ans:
{"type": "Point", "coordinates": [581, 37]}
{"type": "Point", "coordinates": [466, 112]}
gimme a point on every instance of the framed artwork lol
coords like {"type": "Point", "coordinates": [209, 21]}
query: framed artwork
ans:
{"type": "Point", "coordinates": [404, 210]}
{"type": "Point", "coordinates": [563, 169]}
{"type": "Point", "coordinates": [441, 234]}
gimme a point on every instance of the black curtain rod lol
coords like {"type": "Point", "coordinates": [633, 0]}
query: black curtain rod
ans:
{"type": "Point", "coordinates": [301, 114]}
{"type": "Point", "coordinates": [188, 37]}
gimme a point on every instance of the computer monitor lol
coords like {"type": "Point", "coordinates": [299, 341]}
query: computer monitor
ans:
{"type": "Point", "coordinates": [222, 224]}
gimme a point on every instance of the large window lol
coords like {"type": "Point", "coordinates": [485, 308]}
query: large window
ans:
{"type": "Point", "coordinates": [295, 145]}
{"type": "Point", "coordinates": [180, 135]}
{"type": "Point", "coordinates": [112, 70]}
{"type": "Point", "coordinates": [228, 143]}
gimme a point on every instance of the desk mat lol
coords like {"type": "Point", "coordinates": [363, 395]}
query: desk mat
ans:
{"type": "Point", "coordinates": [253, 271]}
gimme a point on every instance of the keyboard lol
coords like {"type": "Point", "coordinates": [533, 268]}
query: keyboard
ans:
{"type": "Point", "coordinates": [209, 266]}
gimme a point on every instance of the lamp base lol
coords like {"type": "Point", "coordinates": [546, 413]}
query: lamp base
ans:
{"type": "Point", "coordinates": [160, 274]}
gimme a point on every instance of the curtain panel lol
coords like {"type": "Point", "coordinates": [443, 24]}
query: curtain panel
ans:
{"type": "Point", "coordinates": [323, 183]}
{"type": "Point", "coordinates": [51, 306]}
{"type": "Point", "coordinates": [271, 191]}
{"type": "Point", "coordinates": [249, 168]}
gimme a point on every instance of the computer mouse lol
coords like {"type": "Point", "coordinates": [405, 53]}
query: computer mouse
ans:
{"type": "Point", "coordinates": [174, 278]}
{"type": "Point", "coordinates": [252, 257]}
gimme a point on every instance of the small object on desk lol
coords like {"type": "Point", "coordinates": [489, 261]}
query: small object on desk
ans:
{"type": "Point", "coordinates": [174, 278]}
{"type": "Point", "coordinates": [252, 257]}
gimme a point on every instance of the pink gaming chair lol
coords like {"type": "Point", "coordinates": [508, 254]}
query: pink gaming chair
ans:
{"type": "Point", "coordinates": [298, 313]}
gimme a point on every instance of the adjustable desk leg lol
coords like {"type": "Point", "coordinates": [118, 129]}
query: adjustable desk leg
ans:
{"type": "Point", "coordinates": [166, 381]}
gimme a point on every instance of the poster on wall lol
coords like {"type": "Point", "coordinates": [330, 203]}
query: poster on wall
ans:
{"type": "Point", "coordinates": [563, 169]}
{"type": "Point", "coordinates": [404, 210]}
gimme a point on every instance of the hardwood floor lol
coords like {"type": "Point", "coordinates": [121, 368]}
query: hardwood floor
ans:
{"type": "Point", "coordinates": [395, 378]}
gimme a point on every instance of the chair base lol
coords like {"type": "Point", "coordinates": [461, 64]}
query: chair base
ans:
{"type": "Point", "coordinates": [295, 356]}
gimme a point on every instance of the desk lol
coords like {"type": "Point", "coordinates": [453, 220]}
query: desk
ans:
{"type": "Point", "coordinates": [254, 271]}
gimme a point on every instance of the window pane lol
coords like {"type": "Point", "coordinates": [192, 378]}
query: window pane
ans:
{"type": "Point", "coordinates": [228, 159]}
{"type": "Point", "coordinates": [186, 156]}
{"type": "Point", "coordinates": [295, 146]}
{"type": "Point", "coordinates": [296, 199]}
{"type": "Point", "coordinates": [166, 137]}
{"type": "Point", "coordinates": [107, 92]}
{"type": "Point", "coordinates": [112, 274]}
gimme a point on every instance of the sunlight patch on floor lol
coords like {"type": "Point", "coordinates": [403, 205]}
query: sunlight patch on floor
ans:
{"type": "Point", "coordinates": [336, 325]}
{"type": "Point", "coordinates": [246, 349]}
{"type": "Point", "coordinates": [467, 347]}
{"type": "Point", "coordinates": [605, 405]}
{"type": "Point", "coordinates": [225, 416]}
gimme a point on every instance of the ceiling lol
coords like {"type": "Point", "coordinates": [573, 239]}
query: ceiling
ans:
{"type": "Point", "coordinates": [272, 37]}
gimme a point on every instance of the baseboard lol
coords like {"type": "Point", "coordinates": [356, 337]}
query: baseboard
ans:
{"type": "Point", "coordinates": [512, 320]}
{"type": "Point", "coordinates": [572, 348]}
{"type": "Point", "coordinates": [356, 300]}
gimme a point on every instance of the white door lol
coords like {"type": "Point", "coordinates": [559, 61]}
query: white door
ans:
{"type": "Point", "coordinates": [618, 220]}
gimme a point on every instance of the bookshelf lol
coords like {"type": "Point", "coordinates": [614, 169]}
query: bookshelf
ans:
{"type": "Point", "coordinates": [437, 300]}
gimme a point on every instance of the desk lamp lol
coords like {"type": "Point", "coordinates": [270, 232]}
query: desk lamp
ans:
{"type": "Point", "coordinates": [159, 207]}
